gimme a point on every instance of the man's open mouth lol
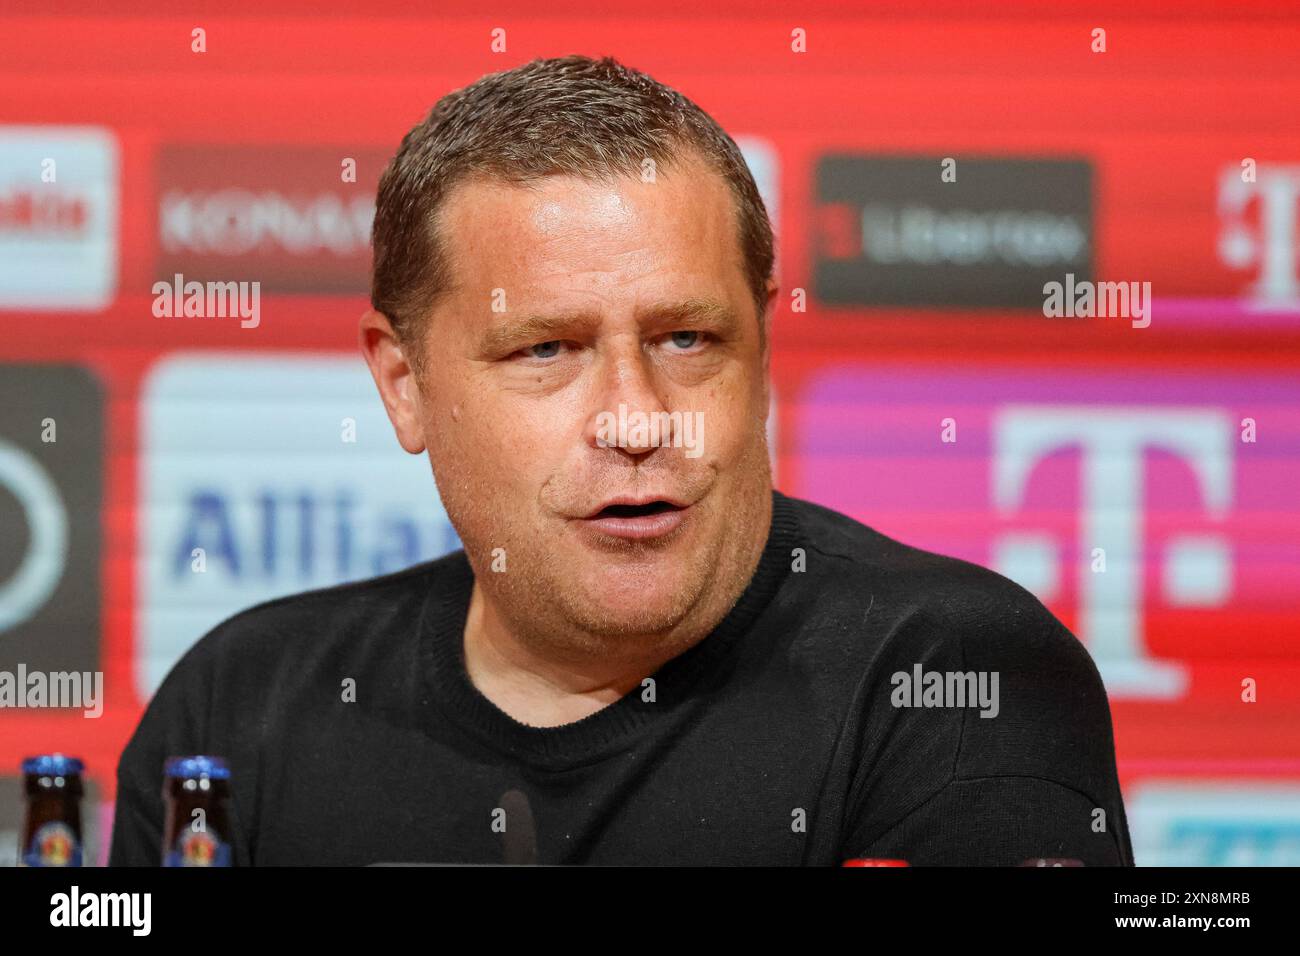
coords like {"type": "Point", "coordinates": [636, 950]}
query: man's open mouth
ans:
{"type": "Point", "coordinates": [635, 520]}
{"type": "Point", "coordinates": [636, 511]}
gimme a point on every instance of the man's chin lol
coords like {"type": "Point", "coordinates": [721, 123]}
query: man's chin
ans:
{"type": "Point", "coordinates": [647, 598]}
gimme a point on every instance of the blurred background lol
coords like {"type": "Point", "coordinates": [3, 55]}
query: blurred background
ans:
{"type": "Point", "coordinates": [928, 168]}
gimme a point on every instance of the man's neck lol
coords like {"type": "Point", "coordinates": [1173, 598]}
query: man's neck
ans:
{"type": "Point", "coordinates": [536, 689]}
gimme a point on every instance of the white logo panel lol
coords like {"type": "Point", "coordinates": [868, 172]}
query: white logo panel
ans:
{"type": "Point", "coordinates": [262, 476]}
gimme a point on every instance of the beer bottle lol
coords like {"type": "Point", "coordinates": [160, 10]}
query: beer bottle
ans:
{"type": "Point", "coordinates": [196, 830]}
{"type": "Point", "coordinates": [52, 826]}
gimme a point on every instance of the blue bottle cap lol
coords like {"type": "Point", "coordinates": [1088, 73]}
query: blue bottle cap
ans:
{"type": "Point", "coordinates": [191, 768]}
{"type": "Point", "coordinates": [53, 765]}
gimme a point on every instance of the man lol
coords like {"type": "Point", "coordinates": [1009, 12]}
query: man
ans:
{"type": "Point", "coordinates": [644, 654]}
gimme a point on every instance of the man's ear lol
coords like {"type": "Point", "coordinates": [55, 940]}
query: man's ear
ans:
{"type": "Point", "coordinates": [395, 379]}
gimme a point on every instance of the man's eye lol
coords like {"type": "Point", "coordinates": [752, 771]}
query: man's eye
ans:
{"type": "Point", "coordinates": [544, 349]}
{"type": "Point", "coordinates": [686, 340]}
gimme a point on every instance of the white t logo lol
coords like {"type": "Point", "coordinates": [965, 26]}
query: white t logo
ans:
{"type": "Point", "coordinates": [1112, 440]}
{"type": "Point", "coordinates": [1272, 246]}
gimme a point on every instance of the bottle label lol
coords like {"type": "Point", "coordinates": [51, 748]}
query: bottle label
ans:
{"type": "Point", "coordinates": [53, 844]}
{"type": "Point", "coordinates": [198, 848]}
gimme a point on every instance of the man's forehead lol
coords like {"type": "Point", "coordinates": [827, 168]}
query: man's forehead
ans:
{"type": "Point", "coordinates": [685, 194]}
{"type": "Point", "coordinates": [558, 223]}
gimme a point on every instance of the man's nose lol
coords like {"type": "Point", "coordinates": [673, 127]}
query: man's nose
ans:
{"type": "Point", "coordinates": [628, 404]}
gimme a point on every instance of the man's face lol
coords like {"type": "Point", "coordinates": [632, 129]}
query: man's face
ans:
{"type": "Point", "coordinates": [569, 299]}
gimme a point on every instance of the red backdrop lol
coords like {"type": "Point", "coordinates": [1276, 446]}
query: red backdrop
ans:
{"type": "Point", "coordinates": [226, 164]}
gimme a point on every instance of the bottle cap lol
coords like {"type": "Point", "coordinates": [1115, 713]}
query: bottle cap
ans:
{"type": "Point", "coordinates": [193, 768]}
{"type": "Point", "coordinates": [53, 765]}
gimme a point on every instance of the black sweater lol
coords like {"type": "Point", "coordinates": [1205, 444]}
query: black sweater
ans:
{"type": "Point", "coordinates": [781, 738]}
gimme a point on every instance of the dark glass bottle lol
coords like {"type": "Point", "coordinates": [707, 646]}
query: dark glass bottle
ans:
{"type": "Point", "coordinates": [52, 824]}
{"type": "Point", "coordinates": [196, 829]}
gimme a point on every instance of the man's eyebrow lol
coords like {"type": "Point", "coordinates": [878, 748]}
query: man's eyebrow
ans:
{"type": "Point", "coordinates": [534, 328]}
{"type": "Point", "coordinates": [705, 312]}
{"type": "Point", "coordinates": [541, 327]}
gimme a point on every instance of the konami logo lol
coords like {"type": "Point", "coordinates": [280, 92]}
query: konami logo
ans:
{"type": "Point", "coordinates": [296, 219]}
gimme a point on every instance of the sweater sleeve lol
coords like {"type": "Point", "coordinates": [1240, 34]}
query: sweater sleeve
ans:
{"type": "Point", "coordinates": [1023, 769]}
{"type": "Point", "coordinates": [997, 821]}
{"type": "Point", "coordinates": [173, 724]}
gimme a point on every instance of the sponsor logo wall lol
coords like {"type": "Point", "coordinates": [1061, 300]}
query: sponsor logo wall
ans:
{"type": "Point", "coordinates": [201, 467]}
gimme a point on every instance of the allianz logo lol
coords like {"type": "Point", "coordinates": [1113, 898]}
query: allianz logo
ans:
{"type": "Point", "coordinates": [304, 534]}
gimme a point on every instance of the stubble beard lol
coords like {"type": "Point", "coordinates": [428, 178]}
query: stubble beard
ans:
{"type": "Point", "coordinates": [544, 606]}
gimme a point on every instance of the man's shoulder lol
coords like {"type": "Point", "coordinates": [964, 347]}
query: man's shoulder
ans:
{"type": "Point", "coordinates": [885, 609]}
{"type": "Point", "coordinates": [313, 621]}
{"type": "Point", "coordinates": [858, 559]}
{"type": "Point", "coordinates": [880, 589]}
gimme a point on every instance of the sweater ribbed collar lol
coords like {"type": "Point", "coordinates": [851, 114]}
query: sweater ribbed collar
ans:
{"type": "Point", "coordinates": [609, 729]}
